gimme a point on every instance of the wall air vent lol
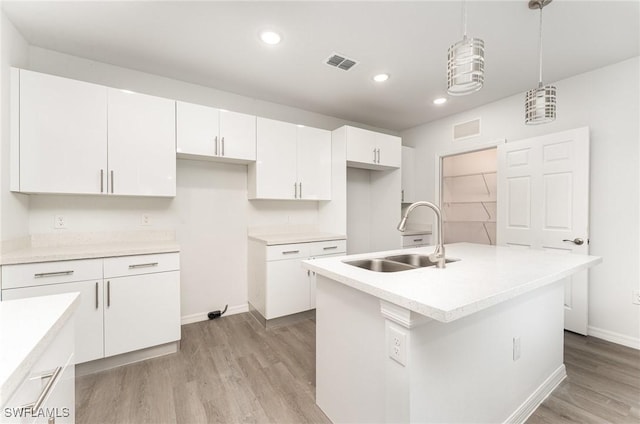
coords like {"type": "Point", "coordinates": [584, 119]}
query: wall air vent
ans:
{"type": "Point", "coordinates": [341, 62]}
{"type": "Point", "coordinates": [466, 129]}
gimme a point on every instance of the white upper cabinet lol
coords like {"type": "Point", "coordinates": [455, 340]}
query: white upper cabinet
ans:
{"type": "Point", "coordinates": [372, 150]}
{"type": "Point", "coordinates": [408, 175]}
{"type": "Point", "coordinates": [213, 134]}
{"type": "Point", "coordinates": [81, 138]}
{"type": "Point", "coordinates": [62, 141]}
{"type": "Point", "coordinates": [292, 162]}
{"type": "Point", "coordinates": [142, 159]}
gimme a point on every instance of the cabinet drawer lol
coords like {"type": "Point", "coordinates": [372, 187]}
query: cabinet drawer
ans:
{"type": "Point", "coordinates": [416, 240]}
{"type": "Point", "coordinates": [44, 273]}
{"type": "Point", "coordinates": [287, 251]}
{"type": "Point", "coordinates": [141, 264]}
{"type": "Point", "coordinates": [329, 247]}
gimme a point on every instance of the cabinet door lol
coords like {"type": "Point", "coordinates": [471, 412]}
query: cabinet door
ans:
{"type": "Point", "coordinates": [312, 280]}
{"type": "Point", "coordinates": [275, 170]}
{"type": "Point", "coordinates": [89, 319]}
{"type": "Point", "coordinates": [390, 153]}
{"type": "Point", "coordinates": [361, 145]}
{"type": "Point", "coordinates": [196, 129]}
{"type": "Point", "coordinates": [314, 163]}
{"type": "Point", "coordinates": [141, 311]}
{"type": "Point", "coordinates": [142, 150]}
{"type": "Point", "coordinates": [238, 136]}
{"type": "Point", "coordinates": [63, 135]}
{"type": "Point", "coordinates": [408, 175]}
{"type": "Point", "coordinates": [287, 288]}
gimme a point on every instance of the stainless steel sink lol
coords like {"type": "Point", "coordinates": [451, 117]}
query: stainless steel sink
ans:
{"type": "Point", "coordinates": [396, 263]}
{"type": "Point", "coordinates": [416, 260]}
{"type": "Point", "coordinates": [380, 265]}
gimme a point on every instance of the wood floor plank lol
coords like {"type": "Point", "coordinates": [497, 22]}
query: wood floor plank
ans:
{"type": "Point", "coordinates": [233, 370]}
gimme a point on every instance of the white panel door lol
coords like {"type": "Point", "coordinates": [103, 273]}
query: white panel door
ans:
{"type": "Point", "coordinates": [89, 317]}
{"type": "Point", "coordinates": [197, 129]}
{"type": "Point", "coordinates": [142, 149]}
{"type": "Point", "coordinates": [141, 311]}
{"type": "Point", "coordinates": [543, 203]}
{"type": "Point", "coordinates": [63, 135]}
{"type": "Point", "coordinates": [238, 135]}
{"type": "Point", "coordinates": [276, 160]}
{"type": "Point", "coordinates": [287, 288]}
{"type": "Point", "coordinates": [314, 163]}
{"type": "Point", "coordinates": [390, 150]}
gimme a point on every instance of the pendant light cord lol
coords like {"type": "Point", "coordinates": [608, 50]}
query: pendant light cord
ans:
{"type": "Point", "coordinates": [540, 50]}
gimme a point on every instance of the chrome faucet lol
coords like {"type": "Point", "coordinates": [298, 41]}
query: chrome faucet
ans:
{"type": "Point", "coordinates": [438, 255]}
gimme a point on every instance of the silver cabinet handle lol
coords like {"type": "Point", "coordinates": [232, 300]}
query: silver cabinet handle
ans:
{"type": "Point", "coordinates": [53, 377]}
{"type": "Point", "coordinates": [378, 155]}
{"type": "Point", "coordinates": [147, 265]}
{"type": "Point", "coordinates": [102, 181]}
{"type": "Point", "coordinates": [108, 294]}
{"type": "Point", "coordinates": [295, 190]}
{"type": "Point", "coordinates": [97, 295]}
{"type": "Point", "coordinates": [374, 156]}
{"type": "Point", "coordinates": [329, 247]}
{"type": "Point", "coordinates": [289, 252]}
{"type": "Point", "coordinates": [576, 241]}
{"type": "Point", "coordinates": [300, 184]}
{"type": "Point", "coordinates": [402, 196]}
{"type": "Point", "coordinates": [222, 146]}
{"type": "Point", "coordinates": [112, 181]}
{"type": "Point", "coordinates": [417, 239]}
{"type": "Point", "coordinates": [216, 143]}
{"type": "Point", "coordinates": [52, 274]}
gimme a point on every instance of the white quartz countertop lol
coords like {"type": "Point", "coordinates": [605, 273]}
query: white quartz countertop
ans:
{"type": "Point", "coordinates": [287, 238]}
{"type": "Point", "coordinates": [485, 276]}
{"type": "Point", "coordinates": [27, 328]}
{"type": "Point", "coordinates": [86, 251]}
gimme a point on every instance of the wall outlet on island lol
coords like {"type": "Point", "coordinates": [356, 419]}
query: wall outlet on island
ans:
{"type": "Point", "coordinates": [636, 297]}
{"type": "Point", "coordinates": [59, 222]}
{"type": "Point", "coordinates": [145, 219]}
{"type": "Point", "coordinates": [397, 345]}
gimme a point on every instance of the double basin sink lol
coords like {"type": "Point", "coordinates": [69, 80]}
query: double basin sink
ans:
{"type": "Point", "coordinates": [396, 263]}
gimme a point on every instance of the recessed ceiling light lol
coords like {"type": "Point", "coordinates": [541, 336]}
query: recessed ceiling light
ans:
{"type": "Point", "coordinates": [270, 37]}
{"type": "Point", "coordinates": [381, 77]}
{"type": "Point", "coordinates": [439, 101]}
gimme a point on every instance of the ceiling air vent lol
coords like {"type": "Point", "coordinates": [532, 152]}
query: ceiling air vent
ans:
{"type": "Point", "coordinates": [340, 61]}
{"type": "Point", "coordinates": [466, 129]}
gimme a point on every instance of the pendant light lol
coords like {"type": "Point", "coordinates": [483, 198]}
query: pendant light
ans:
{"type": "Point", "coordinates": [465, 67]}
{"type": "Point", "coordinates": [540, 103]}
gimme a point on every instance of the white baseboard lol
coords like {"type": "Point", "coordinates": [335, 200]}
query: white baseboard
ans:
{"type": "Point", "coordinates": [612, 337]}
{"type": "Point", "coordinates": [202, 316]}
{"type": "Point", "coordinates": [527, 408]}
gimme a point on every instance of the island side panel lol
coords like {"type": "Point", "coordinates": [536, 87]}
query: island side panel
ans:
{"type": "Point", "coordinates": [350, 354]}
{"type": "Point", "coordinates": [464, 371]}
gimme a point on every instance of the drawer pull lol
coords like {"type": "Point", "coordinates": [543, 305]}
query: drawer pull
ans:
{"type": "Point", "coordinates": [53, 377]}
{"type": "Point", "coordinates": [108, 294]}
{"type": "Point", "coordinates": [52, 274]}
{"type": "Point", "coordinates": [147, 265]}
{"type": "Point", "coordinates": [290, 252]}
{"type": "Point", "coordinates": [329, 247]}
{"type": "Point", "coordinates": [97, 296]}
{"type": "Point", "coordinates": [417, 239]}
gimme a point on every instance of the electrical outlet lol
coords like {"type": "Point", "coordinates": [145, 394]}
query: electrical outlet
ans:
{"type": "Point", "coordinates": [516, 348]}
{"type": "Point", "coordinates": [397, 345]}
{"type": "Point", "coordinates": [636, 297]}
{"type": "Point", "coordinates": [146, 219]}
{"type": "Point", "coordinates": [59, 222]}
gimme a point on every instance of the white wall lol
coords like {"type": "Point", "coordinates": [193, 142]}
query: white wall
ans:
{"type": "Point", "coordinates": [13, 207]}
{"type": "Point", "coordinates": [210, 213]}
{"type": "Point", "coordinates": [608, 101]}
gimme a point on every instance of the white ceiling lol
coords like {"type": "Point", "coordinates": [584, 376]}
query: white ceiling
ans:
{"type": "Point", "coordinates": [216, 44]}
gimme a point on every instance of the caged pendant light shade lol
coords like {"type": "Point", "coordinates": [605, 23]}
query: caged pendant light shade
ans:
{"type": "Point", "coordinates": [465, 65]}
{"type": "Point", "coordinates": [540, 102]}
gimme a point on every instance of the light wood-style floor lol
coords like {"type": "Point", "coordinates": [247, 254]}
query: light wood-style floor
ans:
{"type": "Point", "coordinates": [232, 370]}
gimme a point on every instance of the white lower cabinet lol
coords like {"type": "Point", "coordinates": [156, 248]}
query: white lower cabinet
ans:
{"type": "Point", "coordinates": [278, 285]}
{"type": "Point", "coordinates": [130, 302]}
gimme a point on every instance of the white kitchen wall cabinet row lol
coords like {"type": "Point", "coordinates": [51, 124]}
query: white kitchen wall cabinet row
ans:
{"type": "Point", "coordinates": [127, 303]}
{"type": "Point", "coordinates": [372, 150]}
{"type": "Point", "coordinates": [73, 137]}
{"type": "Point", "coordinates": [292, 162]}
{"type": "Point", "coordinates": [207, 133]}
{"type": "Point", "coordinates": [278, 286]}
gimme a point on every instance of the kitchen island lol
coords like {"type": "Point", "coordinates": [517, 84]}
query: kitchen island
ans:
{"type": "Point", "coordinates": [478, 341]}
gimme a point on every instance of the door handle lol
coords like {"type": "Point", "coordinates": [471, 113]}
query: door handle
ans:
{"type": "Point", "coordinates": [577, 241]}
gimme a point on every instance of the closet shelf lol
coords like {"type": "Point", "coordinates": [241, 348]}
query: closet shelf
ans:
{"type": "Point", "coordinates": [470, 174]}
{"type": "Point", "coordinates": [462, 221]}
{"type": "Point", "coordinates": [464, 202]}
